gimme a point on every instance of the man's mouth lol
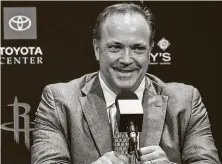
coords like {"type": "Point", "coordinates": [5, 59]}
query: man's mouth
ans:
{"type": "Point", "coordinates": [124, 73]}
{"type": "Point", "coordinates": [124, 70]}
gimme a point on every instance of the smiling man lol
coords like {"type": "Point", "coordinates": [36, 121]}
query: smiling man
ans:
{"type": "Point", "coordinates": [75, 121]}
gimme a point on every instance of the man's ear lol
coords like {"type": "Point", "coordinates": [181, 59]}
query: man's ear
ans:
{"type": "Point", "coordinates": [96, 48]}
{"type": "Point", "coordinates": [150, 49]}
{"type": "Point", "coordinates": [151, 45]}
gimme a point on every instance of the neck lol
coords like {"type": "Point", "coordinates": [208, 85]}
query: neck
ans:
{"type": "Point", "coordinates": [116, 89]}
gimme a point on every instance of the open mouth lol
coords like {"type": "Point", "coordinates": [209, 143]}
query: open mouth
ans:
{"type": "Point", "coordinates": [124, 73]}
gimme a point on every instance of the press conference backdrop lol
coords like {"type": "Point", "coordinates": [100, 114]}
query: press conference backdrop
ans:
{"type": "Point", "coordinates": [187, 49]}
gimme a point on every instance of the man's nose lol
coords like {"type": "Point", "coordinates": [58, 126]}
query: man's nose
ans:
{"type": "Point", "coordinates": [126, 57]}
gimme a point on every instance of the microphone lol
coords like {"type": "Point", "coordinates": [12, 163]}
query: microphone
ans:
{"type": "Point", "coordinates": [129, 117]}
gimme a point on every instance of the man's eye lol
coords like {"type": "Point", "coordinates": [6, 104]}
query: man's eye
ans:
{"type": "Point", "coordinates": [139, 49]}
{"type": "Point", "coordinates": [114, 48]}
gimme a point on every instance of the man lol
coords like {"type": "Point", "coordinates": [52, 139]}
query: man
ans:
{"type": "Point", "coordinates": [73, 120]}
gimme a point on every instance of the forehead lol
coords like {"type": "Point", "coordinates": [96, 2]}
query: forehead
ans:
{"type": "Point", "coordinates": [125, 25]}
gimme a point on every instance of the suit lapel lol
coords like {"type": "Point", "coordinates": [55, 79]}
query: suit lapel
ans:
{"type": "Point", "coordinates": [154, 106]}
{"type": "Point", "coordinates": [94, 109]}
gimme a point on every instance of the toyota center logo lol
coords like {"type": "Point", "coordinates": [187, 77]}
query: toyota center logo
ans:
{"type": "Point", "coordinates": [20, 23]}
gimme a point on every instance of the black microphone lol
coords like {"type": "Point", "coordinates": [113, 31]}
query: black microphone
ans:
{"type": "Point", "coordinates": [129, 117]}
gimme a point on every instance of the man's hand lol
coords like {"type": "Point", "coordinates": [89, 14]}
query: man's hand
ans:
{"type": "Point", "coordinates": [112, 158]}
{"type": "Point", "coordinates": [153, 155]}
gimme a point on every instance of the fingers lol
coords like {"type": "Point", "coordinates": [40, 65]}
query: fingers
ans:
{"type": "Point", "coordinates": [103, 160]}
{"type": "Point", "coordinates": [154, 161]}
{"type": "Point", "coordinates": [124, 158]}
{"type": "Point", "coordinates": [159, 161]}
{"type": "Point", "coordinates": [149, 157]}
{"type": "Point", "coordinates": [148, 162]}
{"type": "Point", "coordinates": [150, 154]}
{"type": "Point", "coordinates": [148, 149]}
{"type": "Point", "coordinates": [114, 158]}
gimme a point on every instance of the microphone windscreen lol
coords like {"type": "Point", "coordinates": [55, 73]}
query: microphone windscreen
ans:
{"type": "Point", "coordinates": [125, 95]}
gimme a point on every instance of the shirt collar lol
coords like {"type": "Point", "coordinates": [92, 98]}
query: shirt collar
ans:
{"type": "Point", "coordinates": [110, 96]}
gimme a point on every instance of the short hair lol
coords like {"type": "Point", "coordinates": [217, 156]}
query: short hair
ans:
{"type": "Point", "coordinates": [123, 8]}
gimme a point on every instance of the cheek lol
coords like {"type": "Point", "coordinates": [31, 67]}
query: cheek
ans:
{"type": "Point", "coordinates": [108, 58]}
{"type": "Point", "coordinates": [105, 62]}
{"type": "Point", "coordinates": [143, 62]}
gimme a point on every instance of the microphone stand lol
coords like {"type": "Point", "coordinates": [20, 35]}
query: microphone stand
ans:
{"type": "Point", "coordinates": [132, 134]}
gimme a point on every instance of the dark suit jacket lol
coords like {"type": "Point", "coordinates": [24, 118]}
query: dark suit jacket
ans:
{"type": "Point", "coordinates": [72, 124]}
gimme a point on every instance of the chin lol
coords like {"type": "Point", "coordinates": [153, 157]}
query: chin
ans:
{"type": "Point", "coordinates": [126, 85]}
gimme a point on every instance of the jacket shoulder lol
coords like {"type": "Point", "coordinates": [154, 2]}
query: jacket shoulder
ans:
{"type": "Point", "coordinates": [71, 88]}
{"type": "Point", "coordinates": [178, 89]}
{"type": "Point", "coordinates": [170, 88]}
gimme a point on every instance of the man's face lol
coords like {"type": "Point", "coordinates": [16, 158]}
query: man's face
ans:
{"type": "Point", "coordinates": [123, 51]}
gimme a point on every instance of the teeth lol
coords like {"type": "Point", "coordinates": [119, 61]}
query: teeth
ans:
{"type": "Point", "coordinates": [124, 70]}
